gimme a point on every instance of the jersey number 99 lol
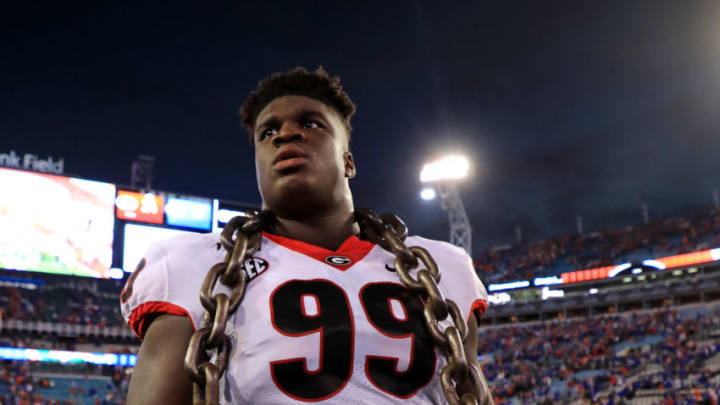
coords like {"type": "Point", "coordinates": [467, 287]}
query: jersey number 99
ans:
{"type": "Point", "coordinates": [333, 320]}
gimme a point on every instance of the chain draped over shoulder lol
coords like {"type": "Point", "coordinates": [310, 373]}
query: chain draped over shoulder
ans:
{"type": "Point", "coordinates": [242, 237]}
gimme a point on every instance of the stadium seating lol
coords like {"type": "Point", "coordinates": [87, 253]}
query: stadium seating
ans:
{"type": "Point", "coordinates": [553, 256]}
{"type": "Point", "coordinates": [639, 357]}
{"type": "Point", "coordinates": [25, 383]}
{"type": "Point", "coordinates": [61, 299]}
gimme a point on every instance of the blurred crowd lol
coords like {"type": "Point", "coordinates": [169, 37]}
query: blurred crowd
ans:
{"type": "Point", "coordinates": [691, 233]}
{"type": "Point", "coordinates": [602, 359]}
{"type": "Point", "coordinates": [19, 385]}
{"type": "Point", "coordinates": [70, 301]}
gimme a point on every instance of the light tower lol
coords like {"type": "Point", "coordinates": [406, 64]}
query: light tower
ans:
{"type": "Point", "coordinates": [441, 177]}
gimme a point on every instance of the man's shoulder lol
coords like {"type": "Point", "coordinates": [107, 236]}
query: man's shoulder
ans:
{"type": "Point", "coordinates": [436, 246]}
{"type": "Point", "coordinates": [190, 250]}
{"type": "Point", "coordinates": [190, 242]}
{"type": "Point", "coordinates": [169, 279]}
{"type": "Point", "coordinates": [459, 281]}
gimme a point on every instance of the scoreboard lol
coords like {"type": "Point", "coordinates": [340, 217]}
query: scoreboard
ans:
{"type": "Point", "coordinates": [64, 225]}
{"type": "Point", "coordinates": [55, 224]}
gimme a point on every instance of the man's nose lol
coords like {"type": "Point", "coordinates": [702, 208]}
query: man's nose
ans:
{"type": "Point", "coordinates": [289, 133]}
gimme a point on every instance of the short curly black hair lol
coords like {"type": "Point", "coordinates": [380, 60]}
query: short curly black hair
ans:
{"type": "Point", "coordinates": [299, 82]}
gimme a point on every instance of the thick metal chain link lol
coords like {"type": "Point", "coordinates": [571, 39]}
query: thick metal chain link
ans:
{"type": "Point", "coordinates": [241, 238]}
{"type": "Point", "coordinates": [389, 232]}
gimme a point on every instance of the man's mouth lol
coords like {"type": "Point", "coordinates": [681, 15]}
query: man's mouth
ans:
{"type": "Point", "coordinates": [289, 157]}
{"type": "Point", "coordinates": [289, 163]}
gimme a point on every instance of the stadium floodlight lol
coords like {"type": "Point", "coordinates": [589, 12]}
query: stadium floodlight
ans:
{"type": "Point", "coordinates": [448, 168]}
{"type": "Point", "coordinates": [427, 194]}
{"type": "Point", "coordinates": [443, 175]}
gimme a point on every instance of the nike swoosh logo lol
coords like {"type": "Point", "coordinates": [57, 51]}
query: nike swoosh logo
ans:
{"type": "Point", "coordinates": [388, 268]}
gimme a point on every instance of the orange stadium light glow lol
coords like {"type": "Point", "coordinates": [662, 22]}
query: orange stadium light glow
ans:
{"type": "Point", "coordinates": [687, 259]}
{"type": "Point", "coordinates": [586, 275]}
{"type": "Point", "coordinates": [670, 262]}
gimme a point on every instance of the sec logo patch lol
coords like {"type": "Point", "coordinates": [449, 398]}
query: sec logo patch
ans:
{"type": "Point", "coordinates": [338, 260]}
{"type": "Point", "coordinates": [254, 266]}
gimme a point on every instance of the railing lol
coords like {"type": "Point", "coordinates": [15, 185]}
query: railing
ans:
{"type": "Point", "coordinates": [67, 329]}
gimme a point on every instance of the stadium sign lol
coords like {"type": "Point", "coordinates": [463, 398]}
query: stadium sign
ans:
{"type": "Point", "coordinates": [32, 162]}
{"type": "Point", "coordinates": [189, 213]}
{"type": "Point", "coordinates": [140, 207]}
{"type": "Point", "coordinates": [509, 286]}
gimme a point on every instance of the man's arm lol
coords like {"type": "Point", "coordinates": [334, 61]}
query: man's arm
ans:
{"type": "Point", "coordinates": [159, 376]}
{"type": "Point", "coordinates": [485, 398]}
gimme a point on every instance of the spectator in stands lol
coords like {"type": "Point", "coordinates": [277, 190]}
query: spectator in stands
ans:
{"type": "Point", "coordinates": [691, 233]}
{"type": "Point", "coordinates": [562, 349]}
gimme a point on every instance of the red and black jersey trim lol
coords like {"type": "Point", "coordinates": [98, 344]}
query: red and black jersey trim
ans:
{"type": "Point", "coordinates": [354, 249]}
{"type": "Point", "coordinates": [478, 307]}
{"type": "Point", "coordinates": [143, 312]}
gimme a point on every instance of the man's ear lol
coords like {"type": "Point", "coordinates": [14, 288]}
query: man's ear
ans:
{"type": "Point", "coordinates": [349, 165]}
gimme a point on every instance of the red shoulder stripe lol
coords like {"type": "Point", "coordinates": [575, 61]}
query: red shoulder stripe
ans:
{"type": "Point", "coordinates": [140, 314]}
{"type": "Point", "coordinates": [479, 306]}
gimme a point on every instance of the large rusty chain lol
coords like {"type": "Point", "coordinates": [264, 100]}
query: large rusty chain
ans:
{"type": "Point", "coordinates": [241, 238]}
{"type": "Point", "coordinates": [389, 232]}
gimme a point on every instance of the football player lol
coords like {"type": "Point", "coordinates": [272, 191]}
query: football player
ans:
{"type": "Point", "coordinates": [325, 317]}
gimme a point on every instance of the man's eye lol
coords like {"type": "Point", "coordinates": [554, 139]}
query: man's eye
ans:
{"type": "Point", "coordinates": [267, 132]}
{"type": "Point", "coordinates": [311, 124]}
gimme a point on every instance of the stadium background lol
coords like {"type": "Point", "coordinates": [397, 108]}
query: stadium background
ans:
{"type": "Point", "coordinates": [627, 314]}
{"type": "Point", "coordinates": [566, 109]}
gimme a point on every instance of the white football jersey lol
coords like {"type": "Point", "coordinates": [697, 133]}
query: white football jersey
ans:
{"type": "Point", "coordinates": [334, 327]}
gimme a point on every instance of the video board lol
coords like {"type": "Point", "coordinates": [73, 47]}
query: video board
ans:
{"type": "Point", "coordinates": [138, 239]}
{"type": "Point", "coordinates": [193, 213]}
{"type": "Point", "coordinates": [55, 224]}
{"type": "Point", "coordinates": [189, 213]}
{"type": "Point", "coordinates": [133, 206]}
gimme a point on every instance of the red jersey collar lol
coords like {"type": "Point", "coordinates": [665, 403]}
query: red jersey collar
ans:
{"type": "Point", "coordinates": [350, 252]}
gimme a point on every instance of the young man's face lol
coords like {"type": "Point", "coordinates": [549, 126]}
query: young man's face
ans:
{"type": "Point", "coordinates": [301, 157]}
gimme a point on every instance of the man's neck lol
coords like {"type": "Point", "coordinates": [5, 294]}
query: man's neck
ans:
{"type": "Point", "coordinates": [327, 231]}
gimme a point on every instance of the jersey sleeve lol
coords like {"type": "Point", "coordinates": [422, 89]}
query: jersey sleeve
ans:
{"type": "Point", "coordinates": [475, 294]}
{"type": "Point", "coordinates": [155, 287]}
{"type": "Point", "coordinates": [459, 281]}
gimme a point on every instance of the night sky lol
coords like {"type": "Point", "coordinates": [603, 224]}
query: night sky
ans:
{"type": "Point", "coordinates": [564, 108]}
